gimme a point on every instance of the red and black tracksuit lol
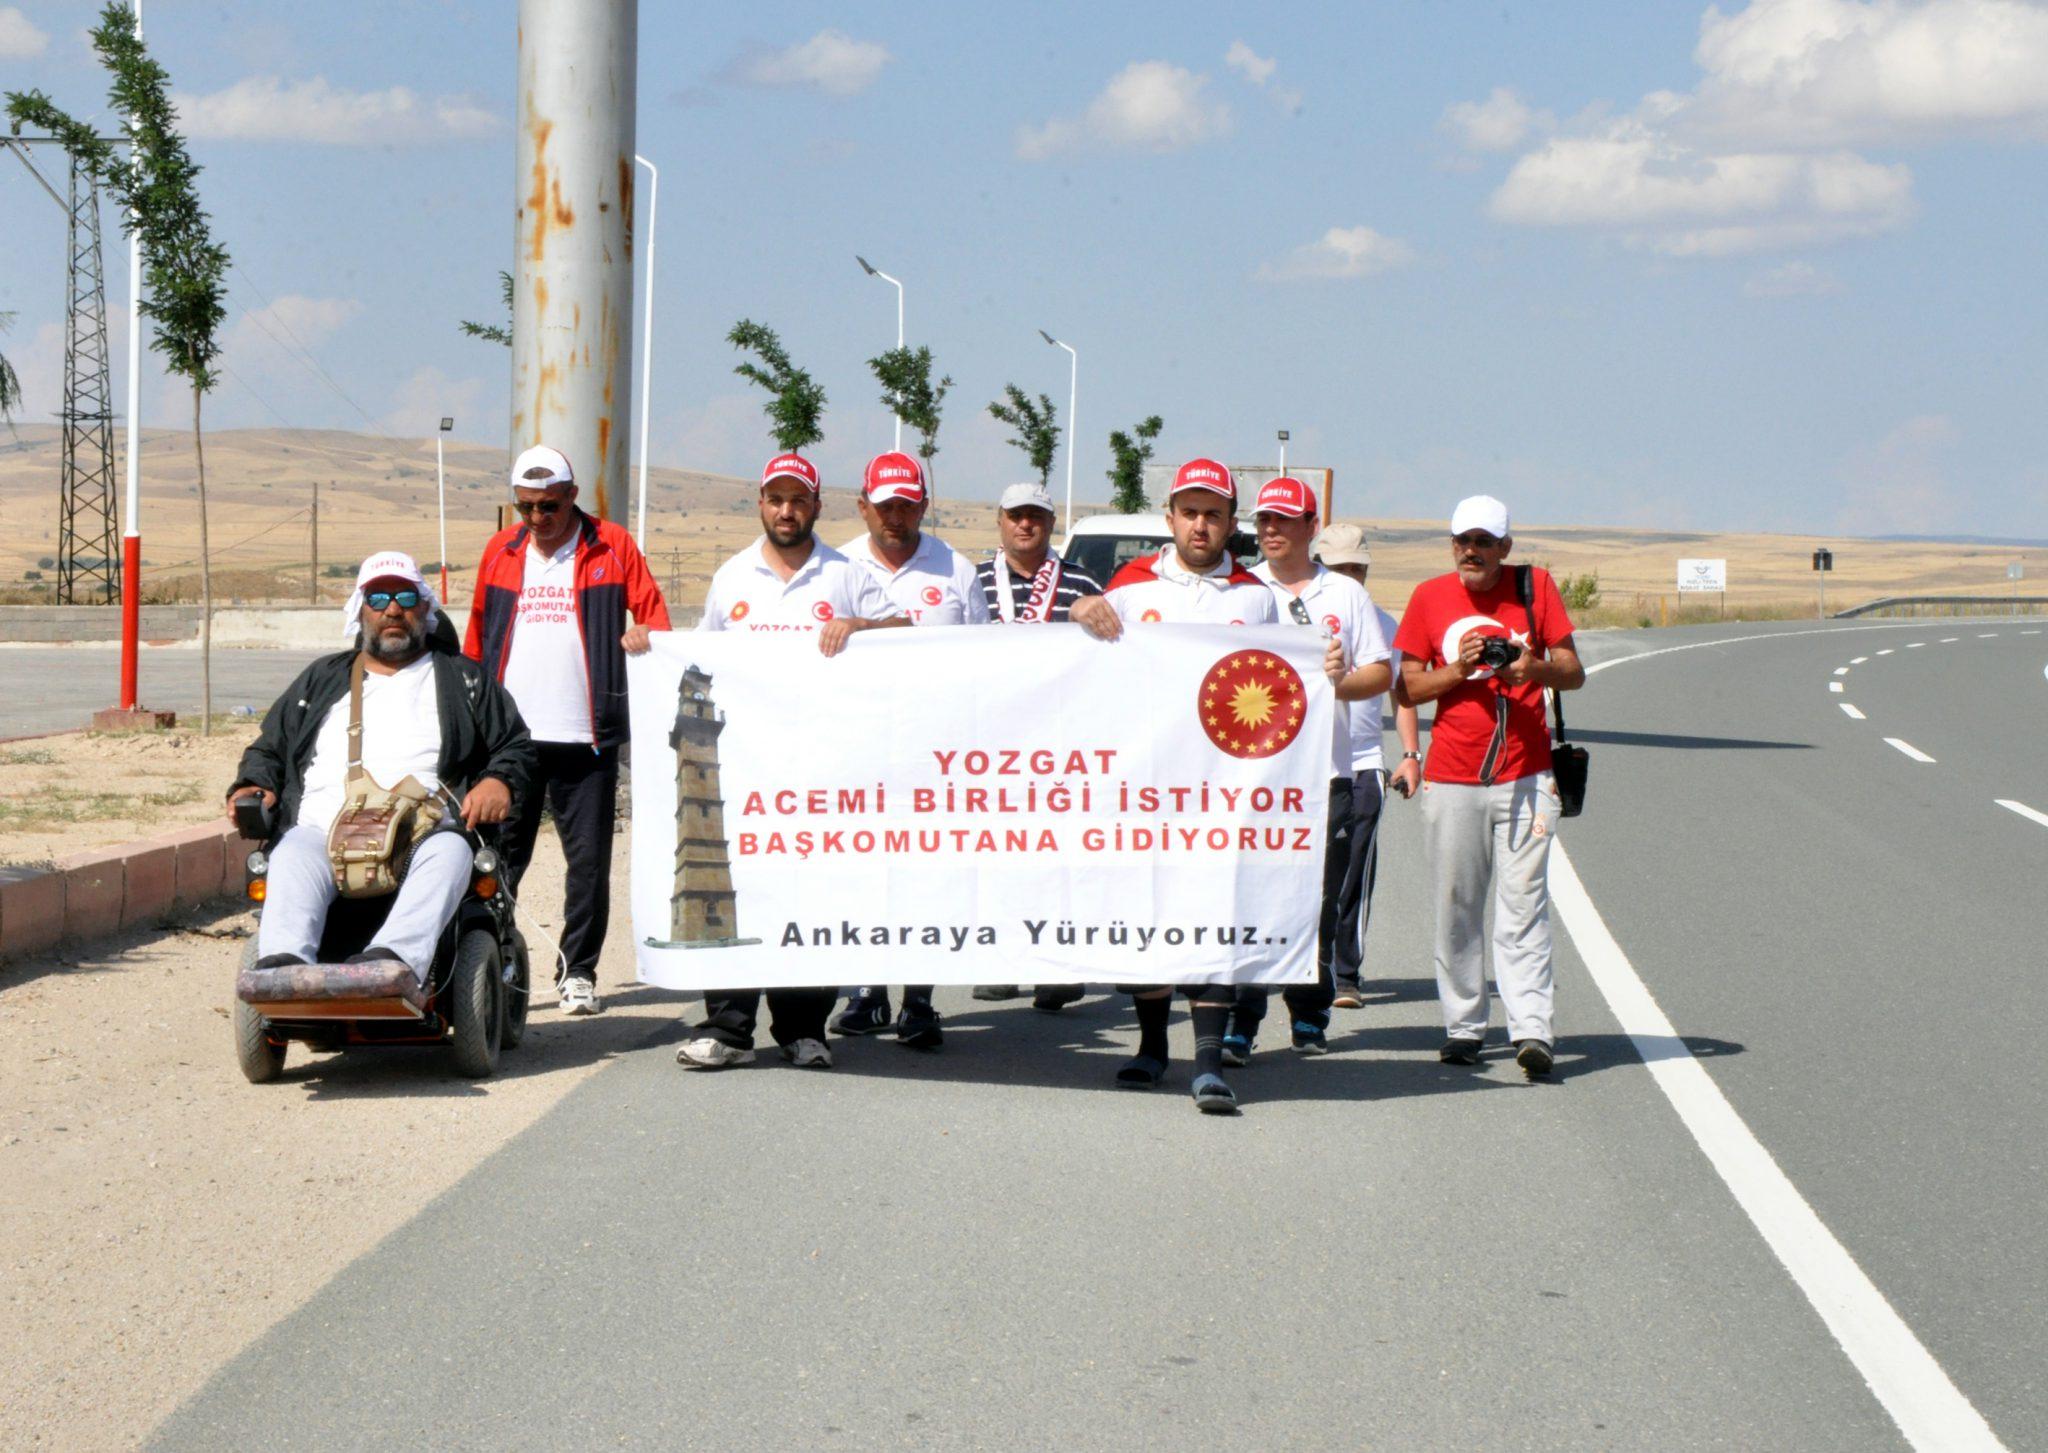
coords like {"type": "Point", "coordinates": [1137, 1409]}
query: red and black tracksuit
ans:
{"type": "Point", "coordinates": [579, 783]}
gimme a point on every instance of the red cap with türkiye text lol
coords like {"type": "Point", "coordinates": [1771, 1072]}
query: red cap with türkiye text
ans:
{"type": "Point", "coordinates": [790, 466]}
{"type": "Point", "coordinates": [1286, 496]}
{"type": "Point", "coordinates": [893, 476]}
{"type": "Point", "coordinates": [1204, 474]}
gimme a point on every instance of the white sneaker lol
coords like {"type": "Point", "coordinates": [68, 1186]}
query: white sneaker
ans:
{"type": "Point", "coordinates": [808, 1054]}
{"type": "Point", "coordinates": [712, 1054]}
{"type": "Point", "coordinates": [579, 996]}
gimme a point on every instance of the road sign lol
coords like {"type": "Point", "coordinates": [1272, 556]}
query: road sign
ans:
{"type": "Point", "coordinates": [1705, 575]}
{"type": "Point", "coordinates": [1823, 559]}
{"type": "Point", "coordinates": [2015, 571]}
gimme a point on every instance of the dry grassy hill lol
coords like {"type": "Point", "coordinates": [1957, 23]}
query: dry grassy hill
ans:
{"type": "Point", "coordinates": [378, 493]}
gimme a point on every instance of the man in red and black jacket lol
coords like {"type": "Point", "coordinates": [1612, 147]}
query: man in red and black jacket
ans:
{"type": "Point", "coordinates": [548, 620]}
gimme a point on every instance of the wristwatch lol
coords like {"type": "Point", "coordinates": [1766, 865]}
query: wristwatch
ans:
{"type": "Point", "coordinates": [1411, 756]}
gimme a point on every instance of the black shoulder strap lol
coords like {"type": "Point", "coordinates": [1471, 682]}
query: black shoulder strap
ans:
{"type": "Point", "coordinates": [1525, 587]}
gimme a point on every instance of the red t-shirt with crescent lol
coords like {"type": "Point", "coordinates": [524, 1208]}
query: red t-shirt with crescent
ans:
{"type": "Point", "coordinates": [1440, 614]}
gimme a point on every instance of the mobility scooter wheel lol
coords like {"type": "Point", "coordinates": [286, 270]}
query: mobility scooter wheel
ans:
{"type": "Point", "coordinates": [260, 1057]}
{"type": "Point", "coordinates": [518, 984]}
{"type": "Point", "coordinates": [476, 1003]}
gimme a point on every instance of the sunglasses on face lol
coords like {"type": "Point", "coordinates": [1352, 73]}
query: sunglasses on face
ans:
{"type": "Point", "coordinates": [1299, 611]}
{"type": "Point", "coordinates": [381, 599]}
{"type": "Point", "coordinates": [545, 508]}
{"type": "Point", "coordinates": [1475, 542]}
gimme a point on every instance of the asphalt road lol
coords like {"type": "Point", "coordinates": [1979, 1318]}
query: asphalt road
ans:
{"type": "Point", "coordinates": [58, 688]}
{"type": "Point", "coordinates": [992, 1248]}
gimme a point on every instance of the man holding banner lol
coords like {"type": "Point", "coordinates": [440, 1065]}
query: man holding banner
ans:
{"type": "Point", "coordinates": [789, 581]}
{"type": "Point", "coordinates": [932, 584]}
{"type": "Point", "coordinates": [1192, 580]}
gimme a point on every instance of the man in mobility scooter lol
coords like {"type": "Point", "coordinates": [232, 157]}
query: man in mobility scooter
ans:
{"type": "Point", "coordinates": [385, 919]}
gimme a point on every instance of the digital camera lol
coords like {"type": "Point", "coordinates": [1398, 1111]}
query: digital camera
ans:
{"type": "Point", "coordinates": [1496, 652]}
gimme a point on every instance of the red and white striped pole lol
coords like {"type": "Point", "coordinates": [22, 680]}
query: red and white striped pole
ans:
{"type": "Point", "coordinates": [131, 525]}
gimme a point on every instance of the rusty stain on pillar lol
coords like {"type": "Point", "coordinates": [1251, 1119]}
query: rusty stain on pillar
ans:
{"type": "Point", "coordinates": [572, 296]}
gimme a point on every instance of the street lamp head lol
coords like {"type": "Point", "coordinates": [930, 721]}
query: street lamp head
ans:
{"type": "Point", "coordinates": [1048, 338]}
{"type": "Point", "coordinates": [865, 266]}
{"type": "Point", "coordinates": [1283, 436]}
{"type": "Point", "coordinates": [446, 423]}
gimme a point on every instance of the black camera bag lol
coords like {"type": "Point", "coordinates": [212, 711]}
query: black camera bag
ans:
{"type": "Point", "coordinates": [1568, 762]}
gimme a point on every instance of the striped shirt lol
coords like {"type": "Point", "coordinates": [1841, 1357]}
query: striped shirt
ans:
{"type": "Point", "coordinates": [1073, 585]}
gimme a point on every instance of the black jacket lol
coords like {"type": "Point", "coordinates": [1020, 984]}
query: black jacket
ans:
{"type": "Point", "coordinates": [481, 733]}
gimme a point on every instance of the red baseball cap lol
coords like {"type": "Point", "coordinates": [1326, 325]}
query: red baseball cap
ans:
{"type": "Point", "coordinates": [1204, 474]}
{"type": "Point", "coordinates": [893, 476]}
{"type": "Point", "coordinates": [790, 466]}
{"type": "Point", "coordinates": [1286, 496]}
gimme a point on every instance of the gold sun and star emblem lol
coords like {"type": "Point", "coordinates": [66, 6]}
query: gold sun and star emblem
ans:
{"type": "Point", "coordinates": [1252, 704]}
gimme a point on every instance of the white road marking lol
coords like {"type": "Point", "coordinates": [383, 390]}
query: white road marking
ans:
{"type": "Point", "coordinates": [1834, 686]}
{"type": "Point", "coordinates": [1858, 661]}
{"type": "Point", "coordinates": [1915, 645]}
{"type": "Point", "coordinates": [1738, 640]}
{"type": "Point", "coordinates": [1909, 749]}
{"type": "Point", "coordinates": [1849, 709]}
{"type": "Point", "coordinates": [1949, 640]}
{"type": "Point", "coordinates": [2026, 633]}
{"type": "Point", "coordinates": [1886, 651]}
{"type": "Point", "coordinates": [1841, 670]}
{"type": "Point", "coordinates": [1929, 1409]}
{"type": "Point", "coordinates": [1992, 635]}
{"type": "Point", "coordinates": [2023, 810]}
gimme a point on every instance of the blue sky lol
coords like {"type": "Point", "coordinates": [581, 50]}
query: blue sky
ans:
{"type": "Point", "coordinates": [1776, 266]}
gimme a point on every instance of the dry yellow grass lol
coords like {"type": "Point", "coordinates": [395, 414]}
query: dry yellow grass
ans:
{"type": "Point", "coordinates": [378, 493]}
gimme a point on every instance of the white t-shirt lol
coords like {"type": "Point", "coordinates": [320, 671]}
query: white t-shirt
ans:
{"type": "Point", "coordinates": [1339, 607]}
{"type": "Point", "coordinates": [935, 587]}
{"type": "Point", "coordinates": [544, 667]}
{"type": "Point", "coordinates": [747, 595]}
{"type": "Point", "coordinates": [1368, 719]}
{"type": "Point", "coordinates": [1159, 588]}
{"type": "Point", "coordinates": [401, 738]}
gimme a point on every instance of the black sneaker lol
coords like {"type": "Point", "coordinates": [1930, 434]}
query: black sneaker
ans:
{"type": "Point", "coordinates": [1052, 1000]}
{"type": "Point", "coordinates": [1534, 1056]}
{"type": "Point", "coordinates": [917, 1027]}
{"type": "Point", "coordinates": [1459, 1052]}
{"type": "Point", "coordinates": [863, 1014]}
{"type": "Point", "coordinates": [1310, 1038]}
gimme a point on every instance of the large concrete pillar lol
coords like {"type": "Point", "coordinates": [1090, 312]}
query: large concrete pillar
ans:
{"type": "Point", "coordinates": [572, 299]}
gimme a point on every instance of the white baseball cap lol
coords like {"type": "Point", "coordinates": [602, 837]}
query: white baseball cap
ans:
{"type": "Point", "coordinates": [389, 565]}
{"type": "Point", "coordinates": [541, 467]}
{"type": "Point", "coordinates": [1480, 512]}
{"type": "Point", "coordinates": [1029, 495]}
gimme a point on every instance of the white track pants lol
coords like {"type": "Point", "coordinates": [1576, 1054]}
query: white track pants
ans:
{"type": "Point", "coordinates": [1498, 837]}
{"type": "Point", "coordinates": [301, 889]}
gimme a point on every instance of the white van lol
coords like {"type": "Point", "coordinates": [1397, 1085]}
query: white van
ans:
{"type": "Point", "coordinates": [1101, 545]}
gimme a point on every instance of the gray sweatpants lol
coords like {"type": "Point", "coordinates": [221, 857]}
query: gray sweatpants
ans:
{"type": "Point", "coordinates": [301, 890]}
{"type": "Point", "coordinates": [1496, 836]}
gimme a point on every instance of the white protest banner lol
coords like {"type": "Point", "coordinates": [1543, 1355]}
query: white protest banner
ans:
{"type": "Point", "coordinates": [1707, 575]}
{"type": "Point", "coordinates": [979, 804]}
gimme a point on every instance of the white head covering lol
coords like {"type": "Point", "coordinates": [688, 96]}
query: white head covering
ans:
{"type": "Point", "coordinates": [387, 565]}
{"type": "Point", "coordinates": [1480, 512]}
{"type": "Point", "coordinates": [540, 467]}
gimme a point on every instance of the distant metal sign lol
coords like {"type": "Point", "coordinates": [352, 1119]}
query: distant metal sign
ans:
{"type": "Point", "coordinates": [1707, 575]}
{"type": "Point", "coordinates": [2015, 571]}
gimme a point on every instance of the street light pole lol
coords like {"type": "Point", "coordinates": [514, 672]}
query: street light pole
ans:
{"type": "Point", "coordinates": [1283, 451]}
{"type": "Point", "coordinates": [872, 271]}
{"type": "Point", "coordinates": [1073, 397]}
{"type": "Point", "coordinates": [647, 349]}
{"type": "Point", "coordinates": [131, 504]}
{"type": "Point", "coordinates": [441, 491]}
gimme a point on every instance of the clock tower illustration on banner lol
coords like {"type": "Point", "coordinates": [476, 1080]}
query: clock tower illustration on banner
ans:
{"type": "Point", "coordinates": [703, 913]}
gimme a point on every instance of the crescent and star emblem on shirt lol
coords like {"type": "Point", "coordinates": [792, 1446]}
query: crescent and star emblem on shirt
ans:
{"type": "Point", "coordinates": [1251, 704]}
{"type": "Point", "coordinates": [933, 595]}
{"type": "Point", "coordinates": [1150, 615]}
{"type": "Point", "coordinates": [739, 610]}
{"type": "Point", "coordinates": [1334, 626]}
{"type": "Point", "coordinates": [822, 610]}
{"type": "Point", "coordinates": [1454, 640]}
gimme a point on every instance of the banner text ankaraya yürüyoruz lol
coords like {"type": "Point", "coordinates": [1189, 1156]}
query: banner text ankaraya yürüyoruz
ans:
{"type": "Point", "coordinates": [979, 805]}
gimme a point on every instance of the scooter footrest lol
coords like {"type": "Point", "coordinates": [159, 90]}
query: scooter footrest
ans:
{"type": "Point", "coordinates": [380, 989]}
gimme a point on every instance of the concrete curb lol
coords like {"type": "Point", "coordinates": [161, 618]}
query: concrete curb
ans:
{"type": "Point", "coordinates": [91, 895]}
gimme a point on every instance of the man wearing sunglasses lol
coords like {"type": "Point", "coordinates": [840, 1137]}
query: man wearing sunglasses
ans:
{"type": "Point", "coordinates": [1489, 802]}
{"type": "Point", "coordinates": [549, 619]}
{"type": "Point", "coordinates": [1310, 595]}
{"type": "Point", "coordinates": [428, 714]}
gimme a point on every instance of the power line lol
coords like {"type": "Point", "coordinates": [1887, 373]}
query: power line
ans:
{"type": "Point", "coordinates": [246, 539]}
{"type": "Point", "coordinates": [304, 354]}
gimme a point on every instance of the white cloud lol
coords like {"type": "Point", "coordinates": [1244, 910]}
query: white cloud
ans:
{"type": "Point", "coordinates": [418, 404]}
{"type": "Point", "coordinates": [1665, 195]}
{"type": "Point", "coordinates": [1845, 72]}
{"type": "Point", "coordinates": [1502, 122]}
{"type": "Point", "coordinates": [1900, 484]}
{"type": "Point", "coordinates": [830, 61]}
{"type": "Point", "coordinates": [1249, 63]}
{"type": "Point", "coordinates": [287, 323]}
{"type": "Point", "coordinates": [1341, 252]}
{"type": "Point", "coordinates": [19, 38]}
{"type": "Point", "coordinates": [1793, 280]}
{"type": "Point", "coordinates": [1147, 106]}
{"type": "Point", "coordinates": [264, 108]}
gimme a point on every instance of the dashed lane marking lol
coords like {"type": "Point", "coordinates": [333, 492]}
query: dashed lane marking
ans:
{"type": "Point", "coordinates": [1841, 670]}
{"type": "Point", "coordinates": [1909, 749]}
{"type": "Point", "coordinates": [1886, 651]}
{"type": "Point", "coordinates": [2023, 810]}
{"type": "Point", "coordinates": [1849, 710]}
{"type": "Point", "coordinates": [1914, 645]}
{"type": "Point", "coordinates": [1991, 635]}
{"type": "Point", "coordinates": [1834, 686]}
{"type": "Point", "coordinates": [1913, 1388]}
{"type": "Point", "coordinates": [1859, 660]}
{"type": "Point", "coordinates": [1949, 640]}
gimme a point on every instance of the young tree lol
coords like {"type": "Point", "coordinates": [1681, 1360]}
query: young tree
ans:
{"type": "Point", "coordinates": [796, 404]}
{"type": "Point", "coordinates": [1127, 473]}
{"type": "Point", "coordinates": [10, 383]}
{"type": "Point", "coordinates": [184, 269]}
{"type": "Point", "coordinates": [908, 392]}
{"type": "Point", "coordinates": [491, 332]}
{"type": "Point", "coordinates": [1037, 435]}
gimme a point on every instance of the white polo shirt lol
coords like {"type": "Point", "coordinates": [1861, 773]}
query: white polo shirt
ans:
{"type": "Point", "coordinates": [1159, 588]}
{"type": "Point", "coordinates": [748, 595]}
{"type": "Point", "coordinates": [1368, 720]}
{"type": "Point", "coordinates": [935, 587]}
{"type": "Point", "coordinates": [1339, 607]}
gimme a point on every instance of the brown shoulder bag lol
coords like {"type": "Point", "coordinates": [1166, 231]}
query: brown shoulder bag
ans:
{"type": "Point", "coordinates": [371, 843]}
